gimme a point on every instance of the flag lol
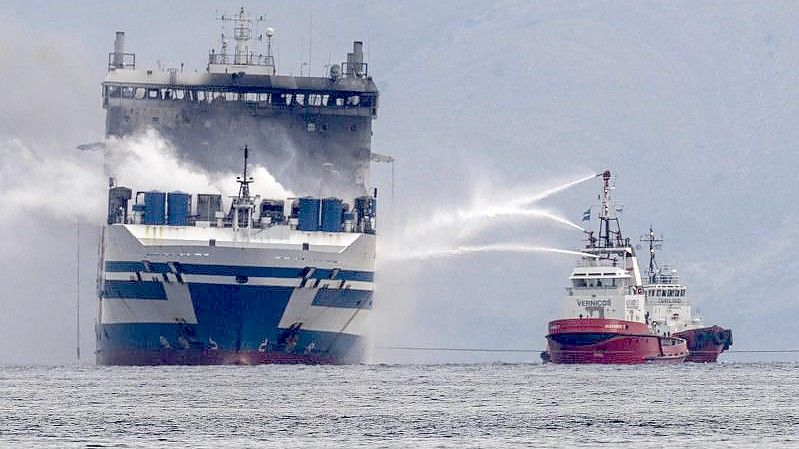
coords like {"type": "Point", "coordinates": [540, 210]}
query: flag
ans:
{"type": "Point", "coordinates": [587, 215]}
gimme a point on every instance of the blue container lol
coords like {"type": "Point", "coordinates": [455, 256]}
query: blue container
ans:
{"type": "Point", "coordinates": [332, 210]}
{"type": "Point", "coordinates": [308, 214]}
{"type": "Point", "coordinates": [178, 208]}
{"type": "Point", "coordinates": [154, 207]}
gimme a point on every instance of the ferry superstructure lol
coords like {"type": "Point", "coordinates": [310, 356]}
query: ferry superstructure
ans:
{"type": "Point", "coordinates": [670, 311]}
{"type": "Point", "coordinates": [604, 317]}
{"type": "Point", "coordinates": [195, 278]}
{"type": "Point", "coordinates": [299, 125]}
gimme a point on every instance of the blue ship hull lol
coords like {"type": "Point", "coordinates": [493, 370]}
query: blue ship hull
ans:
{"type": "Point", "coordinates": [232, 323]}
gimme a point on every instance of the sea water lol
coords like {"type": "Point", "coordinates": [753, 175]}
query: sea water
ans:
{"type": "Point", "coordinates": [481, 405]}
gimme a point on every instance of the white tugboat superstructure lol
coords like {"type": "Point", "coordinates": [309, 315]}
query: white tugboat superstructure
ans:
{"type": "Point", "coordinates": [670, 312]}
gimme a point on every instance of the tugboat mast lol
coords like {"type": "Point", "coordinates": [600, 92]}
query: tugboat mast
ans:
{"type": "Point", "coordinates": [609, 235]}
{"type": "Point", "coordinates": [654, 243]}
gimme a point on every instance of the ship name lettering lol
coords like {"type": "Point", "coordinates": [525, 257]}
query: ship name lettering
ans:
{"type": "Point", "coordinates": [594, 302]}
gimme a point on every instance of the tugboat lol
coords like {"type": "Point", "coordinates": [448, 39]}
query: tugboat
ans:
{"type": "Point", "coordinates": [670, 310]}
{"type": "Point", "coordinates": [605, 307]}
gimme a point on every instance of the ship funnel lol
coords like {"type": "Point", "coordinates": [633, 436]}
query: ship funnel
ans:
{"type": "Point", "coordinates": [119, 51]}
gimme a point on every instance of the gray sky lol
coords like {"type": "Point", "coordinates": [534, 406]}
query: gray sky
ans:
{"type": "Point", "coordinates": [694, 105]}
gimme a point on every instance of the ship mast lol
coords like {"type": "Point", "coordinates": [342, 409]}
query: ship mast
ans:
{"type": "Point", "coordinates": [244, 181]}
{"type": "Point", "coordinates": [654, 244]}
{"type": "Point", "coordinates": [243, 204]}
{"type": "Point", "coordinates": [609, 227]}
{"type": "Point", "coordinates": [243, 55]}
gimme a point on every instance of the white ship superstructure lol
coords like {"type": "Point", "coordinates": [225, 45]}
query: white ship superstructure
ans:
{"type": "Point", "coordinates": [668, 305]}
{"type": "Point", "coordinates": [670, 312]}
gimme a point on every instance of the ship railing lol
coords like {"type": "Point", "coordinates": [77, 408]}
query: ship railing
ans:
{"type": "Point", "coordinates": [358, 69]}
{"type": "Point", "coordinates": [227, 223]}
{"type": "Point", "coordinates": [121, 61]}
{"type": "Point", "coordinates": [570, 291]}
{"type": "Point", "coordinates": [598, 263]}
{"type": "Point", "coordinates": [248, 59]}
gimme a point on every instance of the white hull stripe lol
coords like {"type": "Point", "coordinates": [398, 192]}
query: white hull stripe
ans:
{"type": "Point", "coordinates": [231, 280]}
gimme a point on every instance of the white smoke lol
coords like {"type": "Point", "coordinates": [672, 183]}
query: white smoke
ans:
{"type": "Point", "coordinates": [147, 161]}
{"type": "Point", "coordinates": [39, 183]}
{"type": "Point", "coordinates": [45, 183]}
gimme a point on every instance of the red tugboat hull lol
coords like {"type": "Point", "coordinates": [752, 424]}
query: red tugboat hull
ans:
{"type": "Point", "coordinates": [705, 344]}
{"type": "Point", "coordinates": [610, 341]}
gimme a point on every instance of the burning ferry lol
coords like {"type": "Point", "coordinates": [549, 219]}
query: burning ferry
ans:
{"type": "Point", "coordinates": [670, 310]}
{"type": "Point", "coordinates": [605, 316]}
{"type": "Point", "coordinates": [195, 278]}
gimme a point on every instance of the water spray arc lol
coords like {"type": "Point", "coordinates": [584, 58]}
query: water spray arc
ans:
{"type": "Point", "coordinates": [461, 221]}
{"type": "Point", "coordinates": [515, 208]}
{"type": "Point", "coordinates": [501, 248]}
{"type": "Point", "coordinates": [526, 201]}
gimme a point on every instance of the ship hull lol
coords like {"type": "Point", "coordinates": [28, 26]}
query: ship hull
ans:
{"type": "Point", "coordinates": [168, 301]}
{"type": "Point", "coordinates": [153, 357]}
{"type": "Point", "coordinates": [206, 357]}
{"type": "Point", "coordinates": [610, 341]}
{"type": "Point", "coordinates": [707, 343]}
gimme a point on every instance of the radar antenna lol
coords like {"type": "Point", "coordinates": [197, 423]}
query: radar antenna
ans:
{"type": "Point", "coordinates": [243, 56]}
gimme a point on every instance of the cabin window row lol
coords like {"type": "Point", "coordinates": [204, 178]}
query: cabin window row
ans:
{"type": "Point", "coordinates": [666, 292]}
{"type": "Point", "coordinates": [284, 99]}
{"type": "Point", "coordinates": [597, 282]}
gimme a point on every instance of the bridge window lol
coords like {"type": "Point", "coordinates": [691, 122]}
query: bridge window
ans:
{"type": "Point", "coordinates": [353, 100]}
